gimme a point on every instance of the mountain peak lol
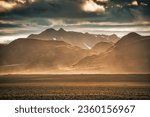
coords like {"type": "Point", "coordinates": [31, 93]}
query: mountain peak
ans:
{"type": "Point", "coordinates": [132, 35]}
{"type": "Point", "coordinates": [50, 29]}
{"type": "Point", "coordinates": [113, 35]}
{"type": "Point", "coordinates": [61, 30]}
{"type": "Point", "coordinates": [129, 38]}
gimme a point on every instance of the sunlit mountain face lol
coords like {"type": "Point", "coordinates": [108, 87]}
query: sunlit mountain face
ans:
{"type": "Point", "coordinates": [20, 18]}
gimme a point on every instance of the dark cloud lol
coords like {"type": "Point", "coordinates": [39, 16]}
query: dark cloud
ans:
{"type": "Point", "coordinates": [35, 13]}
{"type": "Point", "coordinates": [72, 9]}
{"type": "Point", "coordinates": [7, 25]}
{"type": "Point", "coordinates": [48, 8]}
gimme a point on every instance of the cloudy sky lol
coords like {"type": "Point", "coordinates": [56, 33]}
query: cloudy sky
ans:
{"type": "Point", "coordinates": [19, 18]}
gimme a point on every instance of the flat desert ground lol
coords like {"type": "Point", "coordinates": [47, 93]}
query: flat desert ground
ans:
{"type": "Point", "coordinates": [71, 87]}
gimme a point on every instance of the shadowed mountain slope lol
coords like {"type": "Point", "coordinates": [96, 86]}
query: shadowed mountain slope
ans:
{"type": "Point", "coordinates": [40, 53]}
{"type": "Point", "coordinates": [101, 47]}
{"type": "Point", "coordinates": [126, 56]}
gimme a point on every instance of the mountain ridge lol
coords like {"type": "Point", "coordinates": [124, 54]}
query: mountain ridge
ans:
{"type": "Point", "coordinates": [74, 38]}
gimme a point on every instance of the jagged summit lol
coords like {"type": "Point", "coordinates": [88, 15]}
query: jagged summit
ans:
{"type": "Point", "coordinates": [61, 30]}
{"type": "Point", "coordinates": [50, 30]}
{"type": "Point", "coordinates": [113, 35]}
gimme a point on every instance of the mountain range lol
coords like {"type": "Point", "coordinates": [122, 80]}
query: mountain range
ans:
{"type": "Point", "coordinates": [82, 40]}
{"type": "Point", "coordinates": [74, 52]}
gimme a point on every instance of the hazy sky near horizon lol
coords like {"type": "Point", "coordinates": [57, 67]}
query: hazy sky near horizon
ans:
{"type": "Point", "coordinates": [19, 18]}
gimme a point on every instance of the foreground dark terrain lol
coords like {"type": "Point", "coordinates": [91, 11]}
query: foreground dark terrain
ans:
{"type": "Point", "coordinates": [75, 87]}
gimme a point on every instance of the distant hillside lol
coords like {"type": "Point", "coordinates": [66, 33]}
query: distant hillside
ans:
{"type": "Point", "coordinates": [101, 47]}
{"type": "Point", "coordinates": [129, 38]}
{"type": "Point", "coordinates": [82, 40]}
{"type": "Point", "coordinates": [40, 54]}
{"type": "Point", "coordinates": [126, 56]}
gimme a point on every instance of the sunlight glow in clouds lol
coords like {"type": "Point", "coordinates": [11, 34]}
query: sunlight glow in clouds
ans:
{"type": "Point", "coordinates": [91, 6]}
{"type": "Point", "coordinates": [9, 5]}
{"type": "Point", "coordinates": [105, 1]}
{"type": "Point", "coordinates": [134, 3]}
{"type": "Point", "coordinates": [6, 6]}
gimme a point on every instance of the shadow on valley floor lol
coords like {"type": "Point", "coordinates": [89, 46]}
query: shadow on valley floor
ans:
{"type": "Point", "coordinates": [71, 87]}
